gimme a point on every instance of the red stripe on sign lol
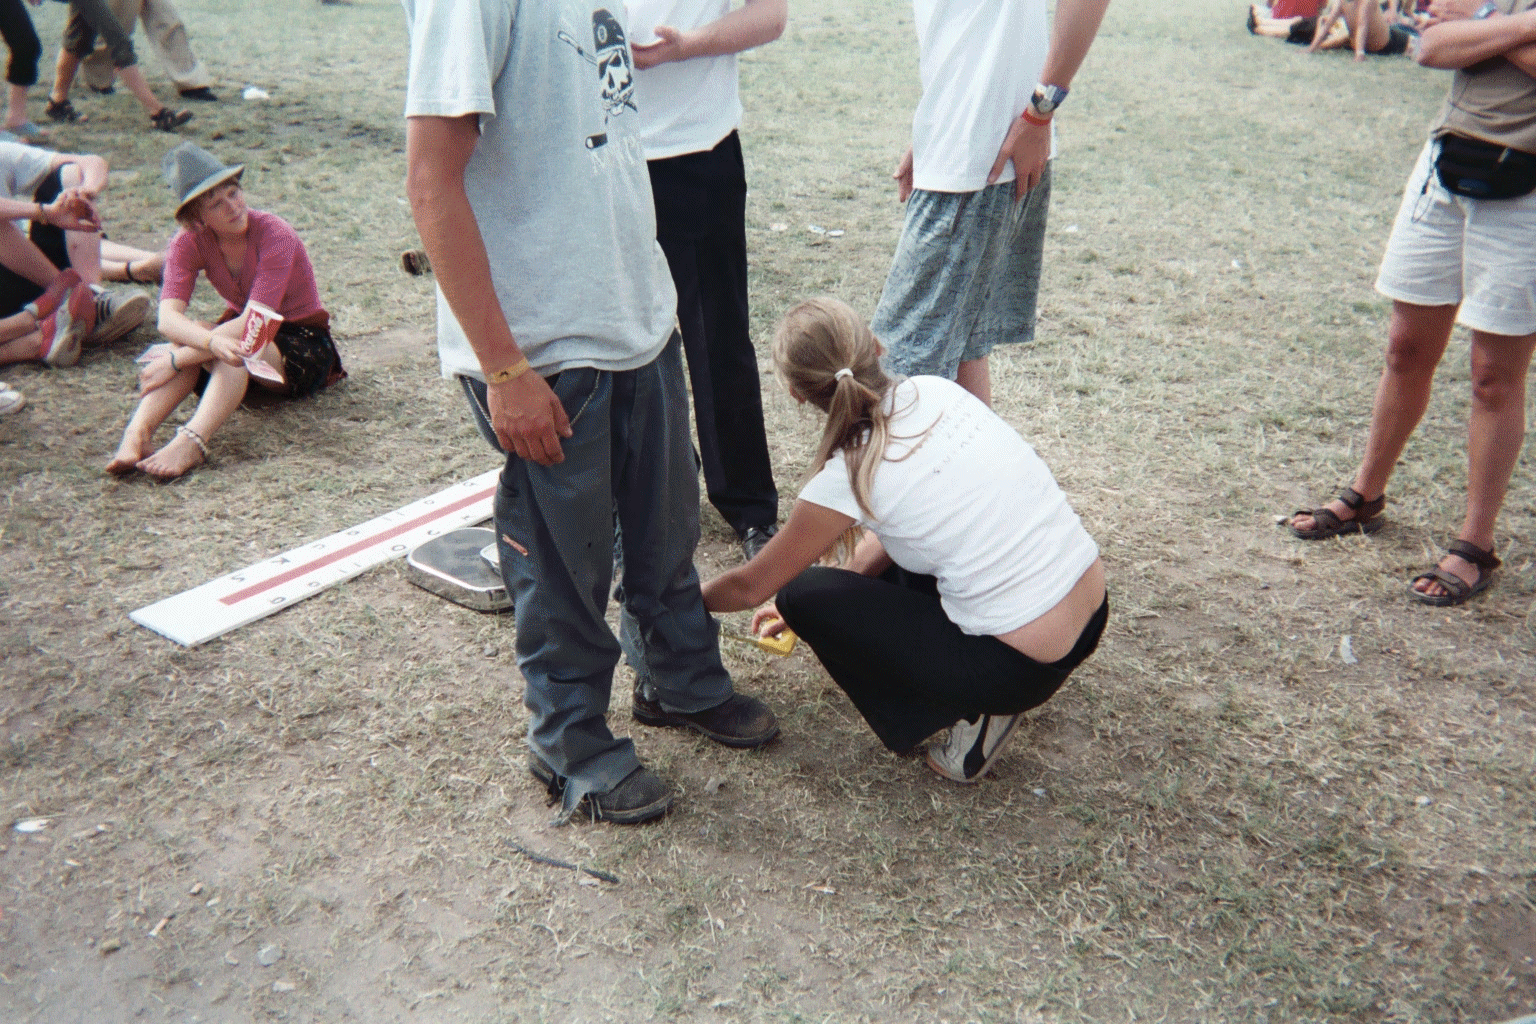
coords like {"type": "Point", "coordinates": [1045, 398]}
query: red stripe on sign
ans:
{"type": "Point", "coordinates": [352, 549]}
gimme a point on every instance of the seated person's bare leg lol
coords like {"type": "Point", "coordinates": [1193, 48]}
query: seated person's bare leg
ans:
{"type": "Point", "coordinates": [153, 408]}
{"type": "Point", "coordinates": [147, 267]}
{"type": "Point", "coordinates": [226, 389]}
{"type": "Point", "coordinates": [1367, 16]}
{"type": "Point", "coordinates": [19, 339]}
{"type": "Point", "coordinates": [84, 247]}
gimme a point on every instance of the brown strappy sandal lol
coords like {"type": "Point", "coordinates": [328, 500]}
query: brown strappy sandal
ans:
{"type": "Point", "coordinates": [1326, 524]}
{"type": "Point", "coordinates": [1460, 589]}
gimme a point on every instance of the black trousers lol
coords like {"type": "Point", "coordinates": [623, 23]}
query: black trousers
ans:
{"type": "Point", "coordinates": [908, 669]}
{"type": "Point", "coordinates": [701, 203]}
{"type": "Point", "coordinates": [21, 39]}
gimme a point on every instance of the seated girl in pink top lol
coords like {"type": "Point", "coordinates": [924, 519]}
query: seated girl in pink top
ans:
{"type": "Point", "coordinates": [248, 256]}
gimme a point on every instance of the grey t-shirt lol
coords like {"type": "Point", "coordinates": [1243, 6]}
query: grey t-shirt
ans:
{"type": "Point", "coordinates": [1493, 101]}
{"type": "Point", "coordinates": [558, 181]}
{"type": "Point", "coordinates": [22, 169]}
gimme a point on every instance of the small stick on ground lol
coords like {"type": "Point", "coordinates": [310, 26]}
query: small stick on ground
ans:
{"type": "Point", "coordinates": [541, 859]}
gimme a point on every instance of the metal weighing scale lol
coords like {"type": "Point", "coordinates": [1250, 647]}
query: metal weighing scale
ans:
{"type": "Point", "coordinates": [462, 567]}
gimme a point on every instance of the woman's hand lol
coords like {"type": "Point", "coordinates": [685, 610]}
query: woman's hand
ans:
{"type": "Point", "coordinates": [226, 348]}
{"type": "Point", "coordinates": [767, 621]}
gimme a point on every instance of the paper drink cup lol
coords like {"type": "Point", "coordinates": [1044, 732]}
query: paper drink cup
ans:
{"type": "Point", "coordinates": [260, 327]}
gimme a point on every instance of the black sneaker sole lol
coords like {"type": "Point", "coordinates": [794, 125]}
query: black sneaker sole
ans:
{"type": "Point", "coordinates": [660, 719]}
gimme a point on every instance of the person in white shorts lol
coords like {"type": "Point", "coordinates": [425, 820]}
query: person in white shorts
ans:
{"type": "Point", "coordinates": [1466, 256]}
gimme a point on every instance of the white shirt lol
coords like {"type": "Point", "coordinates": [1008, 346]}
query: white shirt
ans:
{"type": "Point", "coordinates": [685, 106]}
{"type": "Point", "coordinates": [962, 497]}
{"type": "Point", "coordinates": [980, 62]}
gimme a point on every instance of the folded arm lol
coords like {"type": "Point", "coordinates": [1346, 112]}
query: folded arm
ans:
{"type": "Point", "coordinates": [1463, 43]}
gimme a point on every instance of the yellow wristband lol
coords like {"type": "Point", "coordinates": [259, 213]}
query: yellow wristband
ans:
{"type": "Point", "coordinates": [512, 372]}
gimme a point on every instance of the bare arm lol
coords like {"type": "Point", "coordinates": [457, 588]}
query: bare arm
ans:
{"type": "Point", "coordinates": [221, 342]}
{"type": "Point", "coordinates": [1325, 24]}
{"type": "Point", "coordinates": [70, 211]}
{"type": "Point", "coordinates": [1029, 145]}
{"type": "Point", "coordinates": [1077, 23]}
{"type": "Point", "coordinates": [526, 415]}
{"type": "Point", "coordinates": [869, 558]}
{"type": "Point", "coordinates": [759, 22]}
{"type": "Point", "coordinates": [1460, 44]}
{"type": "Point", "coordinates": [805, 537]}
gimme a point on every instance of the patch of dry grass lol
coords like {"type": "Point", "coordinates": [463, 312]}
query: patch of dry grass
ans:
{"type": "Point", "coordinates": [1218, 820]}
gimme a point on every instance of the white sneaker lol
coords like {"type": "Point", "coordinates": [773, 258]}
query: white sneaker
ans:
{"type": "Point", "coordinates": [11, 400]}
{"type": "Point", "coordinates": [972, 747]}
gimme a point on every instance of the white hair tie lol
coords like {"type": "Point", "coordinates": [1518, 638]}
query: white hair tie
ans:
{"type": "Point", "coordinates": [840, 374]}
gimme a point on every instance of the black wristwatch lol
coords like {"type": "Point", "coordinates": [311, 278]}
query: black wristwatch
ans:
{"type": "Point", "coordinates": [1047, 98]}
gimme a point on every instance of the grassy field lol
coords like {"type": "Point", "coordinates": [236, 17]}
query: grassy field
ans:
{"type": "Point", "coordinates": [1217, 820]}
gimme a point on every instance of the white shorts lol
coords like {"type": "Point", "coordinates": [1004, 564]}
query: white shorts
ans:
{"type": "Point", "coordinates": [1447, 250]}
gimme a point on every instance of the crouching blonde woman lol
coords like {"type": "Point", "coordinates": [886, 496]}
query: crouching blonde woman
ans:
{"type": "Point", "coordinates": [975, 591]}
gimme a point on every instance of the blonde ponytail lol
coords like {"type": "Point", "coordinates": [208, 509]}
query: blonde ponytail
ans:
{"type": "Point", "coordinates": [827, 355]}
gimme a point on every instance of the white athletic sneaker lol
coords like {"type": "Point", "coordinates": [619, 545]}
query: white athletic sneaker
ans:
{"type": "Point", "coordinates": [11, 400]}
{"type": "Point", "coordinates": [972, 747]}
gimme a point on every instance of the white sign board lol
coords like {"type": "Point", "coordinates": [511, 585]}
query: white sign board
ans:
{"type": "Point", "coordinates": [242, 597]}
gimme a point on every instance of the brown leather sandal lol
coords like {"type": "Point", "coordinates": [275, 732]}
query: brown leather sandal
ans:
{"type": "Point", "coordinates": [1326, 524]}
{"type": "Point", "coordinates": [1460, 589]}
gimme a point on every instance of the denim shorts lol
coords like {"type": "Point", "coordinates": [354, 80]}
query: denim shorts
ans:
{"type": "Point", "coordinates": [965, 278]}
{"type": "Point", "coordinates": [1449, 250]}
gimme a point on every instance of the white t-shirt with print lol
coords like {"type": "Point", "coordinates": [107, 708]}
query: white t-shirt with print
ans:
{"type": "Point", "coordinates": [685, 106]}
{"type": "Point", "coordinates": [980, 62]}
{"type": "Point", "coordinates": [557, 182]}
{"type": "Point", "coordinates": [962, 497]}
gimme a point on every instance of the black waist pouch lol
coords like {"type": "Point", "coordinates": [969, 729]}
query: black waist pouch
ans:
{"type": "Point", "coordinates": [1484, 170]}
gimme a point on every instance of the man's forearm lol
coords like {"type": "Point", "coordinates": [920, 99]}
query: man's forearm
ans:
{"type": "Point", "coordinates": [1460, 44]}
{"type": "Point", "coordinates": [452, 239]}
{"type": "Point", "coordinates": [759, 22]}
{"type": "Point", "coordinates": [1077, 23]}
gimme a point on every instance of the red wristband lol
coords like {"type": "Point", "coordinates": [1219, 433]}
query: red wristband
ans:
{"type": "Point", "coordinates": [1038, 122]}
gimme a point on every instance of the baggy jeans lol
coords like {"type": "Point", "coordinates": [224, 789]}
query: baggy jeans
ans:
{"type": "Point", "coordinates": [630, 457]}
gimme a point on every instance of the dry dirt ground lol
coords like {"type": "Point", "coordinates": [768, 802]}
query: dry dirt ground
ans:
{"type": "Point", "coordinates": [1218, 819]}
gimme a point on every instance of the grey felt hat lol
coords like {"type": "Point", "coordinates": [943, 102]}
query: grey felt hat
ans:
{"type": "Point", "coordinates": [191, 170]}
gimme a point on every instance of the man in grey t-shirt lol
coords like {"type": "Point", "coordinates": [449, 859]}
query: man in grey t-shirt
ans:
{"type": "Point", "coordinates": [556, 313]}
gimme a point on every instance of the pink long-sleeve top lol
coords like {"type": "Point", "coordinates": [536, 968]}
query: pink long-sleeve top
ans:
{"type": "Point", "coordinates": [276, 272]}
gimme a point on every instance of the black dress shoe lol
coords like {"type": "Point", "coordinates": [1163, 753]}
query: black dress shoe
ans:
{"type": "Point", "coordinates": [202, 93]}
{"type": "Point", "coordinates": [756, 538]}
{"type": "Point", "coordinates": [741, 721]}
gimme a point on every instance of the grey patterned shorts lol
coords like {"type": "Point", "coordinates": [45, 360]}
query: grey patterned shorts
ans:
{"type": "Point", "coordinates": [965, 277]}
